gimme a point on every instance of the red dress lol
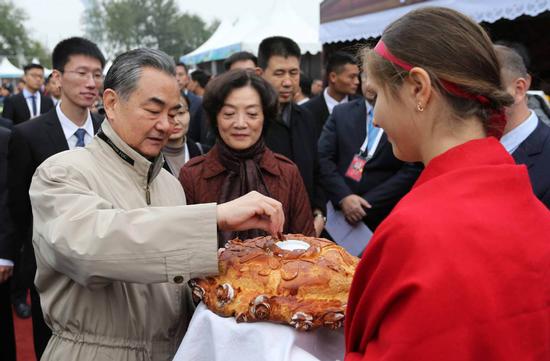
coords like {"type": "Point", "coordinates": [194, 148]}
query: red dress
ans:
{"type": "Point", "coordinates": [460, 270]}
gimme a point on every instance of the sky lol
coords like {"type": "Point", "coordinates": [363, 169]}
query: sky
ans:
{"type": "Point", "coordinates": [53, 20]}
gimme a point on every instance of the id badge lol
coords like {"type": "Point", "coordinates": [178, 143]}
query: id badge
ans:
{"type": "Point", "coordinates": [355, 169]}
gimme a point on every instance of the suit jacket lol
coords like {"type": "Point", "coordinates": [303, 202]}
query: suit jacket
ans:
{"type": "Point", "coordinates": [16, 109]}
{"type": "Point", "coordinates": [385, 178]}
{"type": "Point", "coordinates": [298, 142]}
{"type": "Point", "coordinates": [31, 143]}
{"type": "Point", "coordinates": [317, 106]}
{"type": "Point", "coordinates": [534, 152]}
{"type": "Point", "coordinates": [7, 249]}
{"type": "Point", "coordinates": [6, 123]}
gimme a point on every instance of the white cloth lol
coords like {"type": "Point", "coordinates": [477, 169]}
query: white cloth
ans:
{"type": "Point", "coordinates": [5, 262]}
{"type": "Point", "coordinates": [214, 338]}
{"type": "Point", "coordinates": [69, 128]}
{"type": "Point", "coordinates": [27, 94]}
{"type": "Point", "coordinates": [331, 102]}
{"type": "Point", "coordinates": [516, 136]}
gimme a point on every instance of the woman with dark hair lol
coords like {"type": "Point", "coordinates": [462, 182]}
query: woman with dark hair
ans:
{"type": "Point", "coordinates": [180, 149]}
{"type": "Point", "coordinates": [240, 105]}
{"type": "Point", "coordinates": [460, 269]}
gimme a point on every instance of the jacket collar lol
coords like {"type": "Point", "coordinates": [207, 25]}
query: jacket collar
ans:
{"type": "Point", "coordinates": [533, 145]}
{"type": "Point", "coordinates": [213, 167]}
{"type": "Point", "coordinates": [141, 165]}
{"type": "Point", "coordinates": [475, 153]}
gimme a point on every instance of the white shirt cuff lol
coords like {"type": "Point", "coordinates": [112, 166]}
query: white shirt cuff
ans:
{"type": "Point", "coordinates": [6, 262]}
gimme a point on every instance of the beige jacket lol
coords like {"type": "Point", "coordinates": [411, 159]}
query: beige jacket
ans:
{"type": "Point", "coordinates": [112, 270]}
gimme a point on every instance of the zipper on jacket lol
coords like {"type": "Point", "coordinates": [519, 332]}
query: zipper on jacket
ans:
{"type": "Point", "coordinates": [147, 190]}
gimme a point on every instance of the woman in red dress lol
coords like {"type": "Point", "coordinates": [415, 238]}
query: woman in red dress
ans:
{"type": "Point", "coordinates": [460, 270]}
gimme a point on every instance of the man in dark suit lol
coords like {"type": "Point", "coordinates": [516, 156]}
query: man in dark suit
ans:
{"type": "Point", "coordinates": [292, 134]}
{"type": "Point", "coordinates": [29, 103]}
{"type": "Point", "coordinates": [198, 125]}
{"type": "Point", "coordinates": [7, 255]}
{"type": "Point", "coordinates": [78, 66]}
{"type": "Point", "coordinates": [371, 191]}
{"type": "Point", "coordinates": [342, 74]}
{"type": "Point", "coordinates": [526, 137]}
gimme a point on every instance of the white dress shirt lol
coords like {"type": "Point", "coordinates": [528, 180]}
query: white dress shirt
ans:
{"type": "Point", "coordinates": [516, 136]}
{"type": "Point", "coordinates": [27, 94]}
{"type": "Point", "coordinates": [331, 102]}
{"type": "Point", "coordinates": [69, 128]}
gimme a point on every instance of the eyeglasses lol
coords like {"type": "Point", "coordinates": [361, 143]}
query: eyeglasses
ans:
{"type": "Point", "coordinates": [85, 74]}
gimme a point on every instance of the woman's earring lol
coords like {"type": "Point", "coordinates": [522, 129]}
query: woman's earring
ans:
{"type": "Point", "coordinates": [419, 107]}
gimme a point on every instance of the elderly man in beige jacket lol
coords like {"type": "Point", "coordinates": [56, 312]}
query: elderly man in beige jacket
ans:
{"type": "Point", "coordinates": [114, 241]}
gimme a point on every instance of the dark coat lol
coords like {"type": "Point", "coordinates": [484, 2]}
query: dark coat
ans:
{"type": "Point", "coordinates": [202, 180]}
{"type": "Point", "coordinates": [6, 123]}
{"type": "Point", "coordinates": [317, 106]}
{"type": "Point", "coordinates": [7, 249]}
{"type": "Point", "coordinates": [385, 178]}
{"type": "Point", "coordinates": [16, 109]}
{"type": "Point", "coordinates": [534, 152]}
{"type": "Point", "coordinates": [299, 143]}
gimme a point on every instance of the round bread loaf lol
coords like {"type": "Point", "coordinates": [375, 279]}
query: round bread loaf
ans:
{"type": "Point", "coordinates": [259, 281]}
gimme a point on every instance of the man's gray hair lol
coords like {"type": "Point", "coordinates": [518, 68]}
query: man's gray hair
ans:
{"type": "Point", "coordinates": [125, 72]}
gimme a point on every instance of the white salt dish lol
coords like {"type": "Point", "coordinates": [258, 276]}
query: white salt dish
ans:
{"type": "Point", "coordinates": [292, 245]}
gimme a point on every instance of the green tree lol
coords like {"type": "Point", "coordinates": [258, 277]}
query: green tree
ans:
{"type": "Point", "coordinates": [121, 25]}
{"type": "Point", "coordinates": [15, 42]}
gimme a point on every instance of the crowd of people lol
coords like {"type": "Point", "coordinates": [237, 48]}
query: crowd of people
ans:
{"type": "Point", "coordinates": [107, 211]}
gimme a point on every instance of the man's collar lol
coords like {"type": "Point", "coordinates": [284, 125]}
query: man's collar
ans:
{"type": "Point", "coordinates": [143, 166]}
{"type": "Point", "coordinates": [27, 93]}
{"type": "Point", "coordinates": [331, 102]}
{"type": "Point", "coordinates": [69, 127]}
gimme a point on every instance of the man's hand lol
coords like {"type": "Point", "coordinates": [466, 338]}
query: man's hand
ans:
{"type": "Point", "coordinates": [251, 211]}
{"type": "Point", "coordinates": [5, 273]}
{"type": "Point", "coordinates": [353, 207]}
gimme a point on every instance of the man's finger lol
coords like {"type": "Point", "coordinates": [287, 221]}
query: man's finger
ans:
{"type": "Point", "coordinates": [364, 203]}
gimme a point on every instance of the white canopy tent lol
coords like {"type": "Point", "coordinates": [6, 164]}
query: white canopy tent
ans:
{"type": "Point", "coordinates": [8, 70]}
{"type": "Point", "coordinates": [373, 24]}
{"type": "Point", "coordinates": [246, 32]}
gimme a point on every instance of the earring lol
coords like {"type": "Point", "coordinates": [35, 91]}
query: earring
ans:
{"type": "Point", "coordinates": [419, 107]}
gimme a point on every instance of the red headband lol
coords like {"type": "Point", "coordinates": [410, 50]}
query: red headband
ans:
{"type": "Point", "coordinates": [498, 118]}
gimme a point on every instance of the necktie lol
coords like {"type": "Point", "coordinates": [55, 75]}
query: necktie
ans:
{"type": "Point", "coordinates": [80, 137]}
{"type": "Point", "coordinates": [372, 131]}
{"type": "Point", "coordinates": [33, 103]}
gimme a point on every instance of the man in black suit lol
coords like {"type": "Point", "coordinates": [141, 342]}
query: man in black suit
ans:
{"type": "Point", "coordinates": [78, 66]}
{"type": "Point", "coordinates": [342, 74]}
{"type": "Point", "coordinates": [526, 137]}
{"type": "Point", "coordinates": [29, 103]}
{"type": "Point", "coordinates": [198, 126]}
{"type": "Point", "coordinates": [7, 255]}
{"type": "Point", "coordinates": [363, 192]}
{"type": "Point", "coordinates": [293, 133]}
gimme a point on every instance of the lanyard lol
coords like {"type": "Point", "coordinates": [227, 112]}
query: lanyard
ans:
{"type": "Point", "coordinates": [374, 144]}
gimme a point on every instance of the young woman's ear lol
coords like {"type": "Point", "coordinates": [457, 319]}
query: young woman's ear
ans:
{"type": "Point", "coordinates": [420, 86]}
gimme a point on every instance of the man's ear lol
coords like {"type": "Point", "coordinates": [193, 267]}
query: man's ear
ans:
{"type": "Point", "coordinates": [259, 71]}
{"type": "Point", "coordinates": [521, 86]}
{"type": "Point", "coordinates": [332, 77]}
{"type": "Point", "coordinates": [420, 86]}
{"type": "Point", "coordinates": [110, 103]}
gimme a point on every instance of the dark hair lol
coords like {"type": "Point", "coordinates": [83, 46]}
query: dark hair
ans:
{"type": "Point", "coordinates": [338, 60]}
{"type": "Point", "coordinates": [48, 78]}
{"type": "Point", "coordinates": [511, 61]}
{"type": "Point", "coordinates": [75, 46]}
{"type": "Point", "coordinates": [220, 87]}
{"type": "Point", "coordinates": [277, 46]}
{"type": "Point", "coordinates": [305, 84]}
{"type": "Point", "coordinates": [240, 56]}
{"type": "Point", "coordinates": [201, 76]}
{"type": "Point", "coordinates": [28, 67]}
{"type": "Point", "coordinates": [126, 70]}
{"type": "Point", "coordinates": [450, 47]}
{"type": "Point", "coordinates": [183, 65]}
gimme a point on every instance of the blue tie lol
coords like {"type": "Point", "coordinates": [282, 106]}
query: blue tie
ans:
{"type": "Point", "coordinates": [33, 103]}
{"type": "Point", "coordinates": [80, 133]}
{"type": "Point", "coordinates": [372, 131]}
